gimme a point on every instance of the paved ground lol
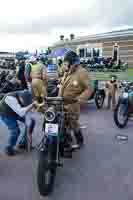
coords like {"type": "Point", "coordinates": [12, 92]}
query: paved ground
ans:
{"type": "Point", "coordinates": [102, 170]}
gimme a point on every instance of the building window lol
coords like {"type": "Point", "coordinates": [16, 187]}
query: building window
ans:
{"type": "Point", "coordinates": [97, 52]}
{"type": "Point", "coordinates": [115, 53]}
{"type": "Point", "coordinates": [82, 53]}
{"type": "Point", "coordinates": [88, 52]}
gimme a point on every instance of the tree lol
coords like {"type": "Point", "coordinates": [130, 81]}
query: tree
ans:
{"type": "Point", "coordinates": [61, 37]}
{"type": "Point", "coordinates": [72, 36]}
{"type": "Point", "coordinates": [26, 52]}
{"type": "Point", "coordinates": [49, 50]}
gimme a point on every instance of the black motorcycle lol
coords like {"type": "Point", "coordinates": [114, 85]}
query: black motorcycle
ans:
{"type": "Point", "coordinates": [52, 147]}
{"type": "Point", "coordinates": [124, 108]}
{"type": "Point", "coordinates": [98, 94]}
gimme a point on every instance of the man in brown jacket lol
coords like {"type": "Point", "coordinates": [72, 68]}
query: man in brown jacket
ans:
{"type": "Point", "coordinates": [75, 85]}
{"type": "Point", "coordinates": [39, 80]}
{"type": "Point", "coordinates": [112, 87]}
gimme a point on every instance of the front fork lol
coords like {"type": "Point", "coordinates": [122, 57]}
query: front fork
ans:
{"type": "Point", "coordinates": [50, 145]}
{"type": "Point", "coordinates": [125, 104]}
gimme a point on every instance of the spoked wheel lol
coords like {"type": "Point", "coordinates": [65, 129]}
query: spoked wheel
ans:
{"type": "Point", "coordinates": [46, 171]}
{"type": "Point", "coordinates": [121, 115]}
{"type": "Point", "coordinates": [99, 100]}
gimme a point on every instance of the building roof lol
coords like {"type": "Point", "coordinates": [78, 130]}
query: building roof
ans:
{"type": "Point", "coordinates": [112, 34]}
{"type": "Point", "coordinates": [2, 52]}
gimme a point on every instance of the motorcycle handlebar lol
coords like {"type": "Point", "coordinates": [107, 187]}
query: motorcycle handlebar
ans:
{"type": "Point", "coordinates": [65, 100]}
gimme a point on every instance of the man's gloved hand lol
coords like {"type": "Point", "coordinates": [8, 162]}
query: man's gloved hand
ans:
{"type": "Point", "coordinates": [39, 106]}
{"type": "Point", "coordinates": [35, 104]}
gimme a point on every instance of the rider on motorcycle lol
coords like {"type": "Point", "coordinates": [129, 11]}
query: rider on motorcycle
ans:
{"type": "Point", "coordinates": [74, 85]}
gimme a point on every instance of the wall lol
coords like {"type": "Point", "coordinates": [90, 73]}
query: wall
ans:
{"type": "Point", "coordinates": [130, 51]}
{"type": "Point", "coordinates": [125, 47]}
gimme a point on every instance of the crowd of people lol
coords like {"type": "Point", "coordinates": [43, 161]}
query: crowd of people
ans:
{"type": "Point", "coordinates": [32, 76]}
{"type": "Point", "coordinates": [101, 63]}
{"type": "Point", "coordinates": [14, 107]}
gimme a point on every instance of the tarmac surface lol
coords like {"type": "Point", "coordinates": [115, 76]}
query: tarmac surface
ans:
{"type": "Point", "coordinates": [102, 170]}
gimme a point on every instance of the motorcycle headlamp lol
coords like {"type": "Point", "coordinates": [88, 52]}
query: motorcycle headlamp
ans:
{"type": "Point", "coordinates": [50, 115]}
{"type": "Point", "coordinates": [125, 95]}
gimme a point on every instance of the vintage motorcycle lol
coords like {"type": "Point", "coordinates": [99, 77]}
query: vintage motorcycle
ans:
{"type": "Point", "coordinates": [57, 135]}
{"type": "Point", "coordinates": [98, 91]}
{"type": "Point", "coordinates": [124, 108]}
{"type": "Point", "coordinates": [99, 94]}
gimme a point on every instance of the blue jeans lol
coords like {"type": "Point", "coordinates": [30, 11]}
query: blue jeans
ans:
{"type": "Point", "coordinates": [27, 96]}
{"type": "Point", "coordinates": [13, 127]}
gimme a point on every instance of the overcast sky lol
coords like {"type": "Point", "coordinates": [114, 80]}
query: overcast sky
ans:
{"type": "Point", "coordinates": [29, 24]}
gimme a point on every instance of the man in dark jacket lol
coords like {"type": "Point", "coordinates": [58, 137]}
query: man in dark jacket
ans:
{"type": "Point", "coordinates": [12, 110]}
{"type": "Point", "coordinates": [21, 74]}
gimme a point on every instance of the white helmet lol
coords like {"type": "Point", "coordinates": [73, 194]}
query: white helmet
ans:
{"type": "Point", "coordinates": [32, 59]}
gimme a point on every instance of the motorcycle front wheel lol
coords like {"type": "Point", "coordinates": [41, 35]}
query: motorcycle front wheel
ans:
{"type": "Point", "coordinates": [121, 115]}
{"type": "Point", "coordinates": [46, 173]}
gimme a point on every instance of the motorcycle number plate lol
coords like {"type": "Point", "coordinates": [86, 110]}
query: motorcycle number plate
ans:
{"type": "Point", "coordinates": [51, 129]}
{"type": "Point", "coordinates": [125, 95]}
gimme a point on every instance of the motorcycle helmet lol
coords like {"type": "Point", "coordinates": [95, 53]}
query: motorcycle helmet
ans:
{"type": "Point", "coordinates": [72, 58]}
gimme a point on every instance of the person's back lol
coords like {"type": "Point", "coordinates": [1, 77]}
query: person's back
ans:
{"type": "Point", "coordinates": [39, 81]}
{"type": "Point", "coordinates": [36, 71]}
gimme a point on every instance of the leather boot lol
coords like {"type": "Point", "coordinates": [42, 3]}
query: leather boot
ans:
{"type": "Point", "coordinates": [79, 137]}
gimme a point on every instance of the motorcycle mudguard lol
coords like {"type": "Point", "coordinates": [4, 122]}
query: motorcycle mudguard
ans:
{"type": "Point", "coordinates": [123, 100]}
{"type": "Point", "coordinates": [125, 104]}
{"type": "Point", "coordinates": [50, 140]}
